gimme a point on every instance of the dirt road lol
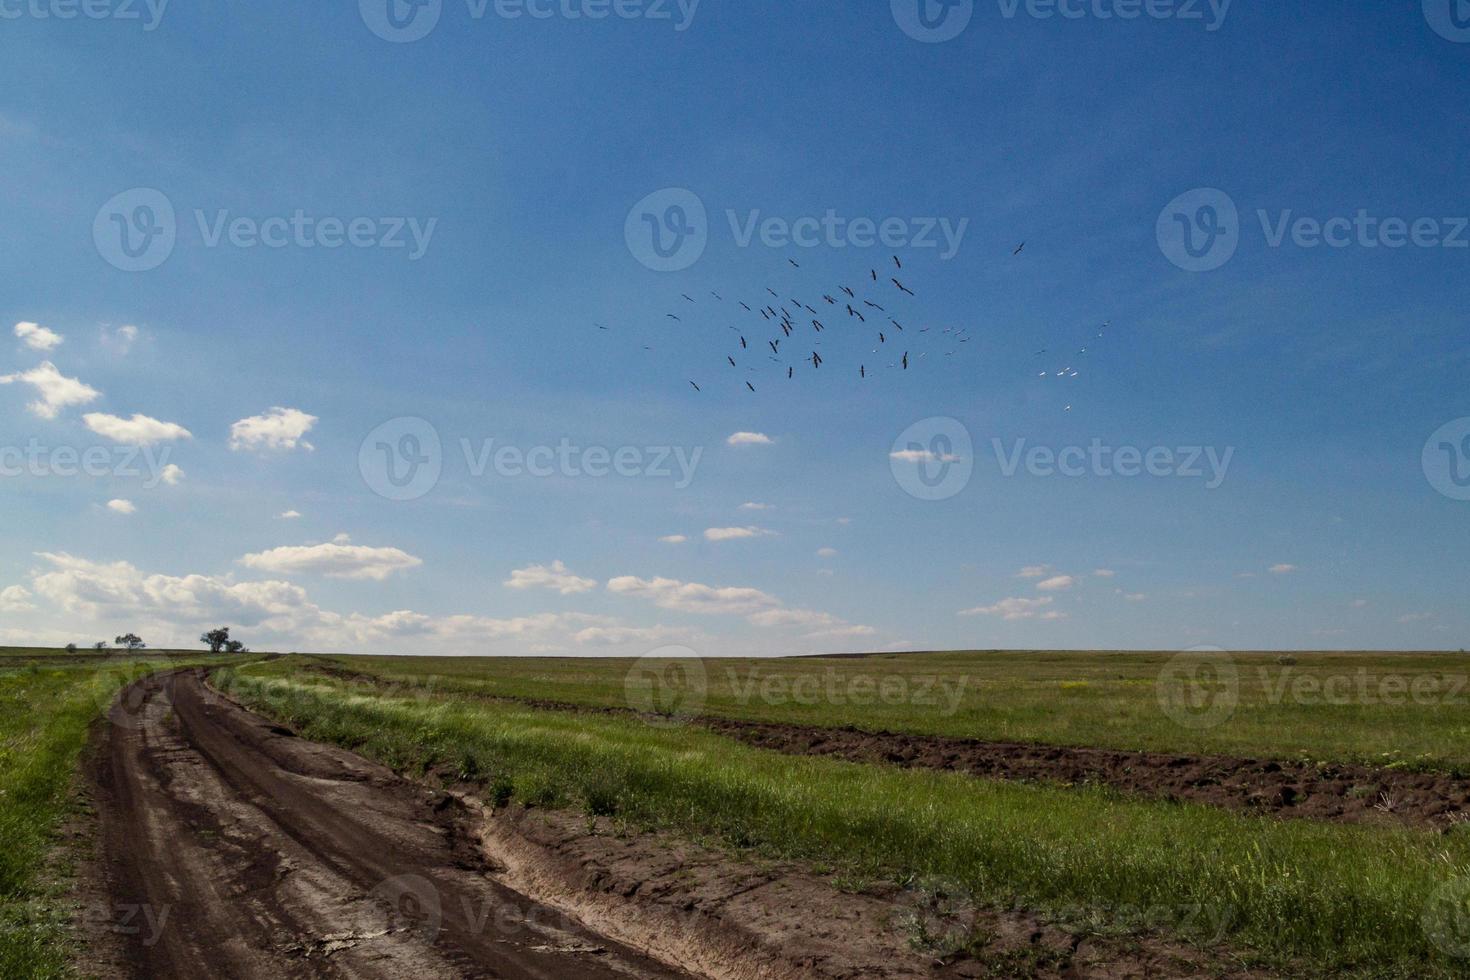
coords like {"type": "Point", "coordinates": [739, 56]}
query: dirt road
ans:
{"type": "Point", "coordinates": [233, 849]}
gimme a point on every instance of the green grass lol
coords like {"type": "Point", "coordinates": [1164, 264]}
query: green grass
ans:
{"type": "Point", "coordinates": [46, 710]}
{"type": "Point", "coordinates": [1340, 898]}
{"type": "Point", "coordinates": [1094, 699]}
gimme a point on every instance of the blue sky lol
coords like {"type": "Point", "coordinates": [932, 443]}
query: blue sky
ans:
{"type": "Point", "coordinates": [518, 147]}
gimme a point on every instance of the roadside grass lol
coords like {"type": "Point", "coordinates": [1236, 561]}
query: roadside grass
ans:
{"type": "Point", "coordinates": [1403, 710]}
{"type": "Point", "coordinates": [1343, 899]}
{"type": "Point", "coordinates": [46, 711]}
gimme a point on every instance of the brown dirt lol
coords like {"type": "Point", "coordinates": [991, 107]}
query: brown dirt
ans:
{"type": "Point", "coordinates": [1339, 793]}
{"type": "Point", "coordinates": [233, 849]}
{"type": "Point", "coordinates": [728, 916]}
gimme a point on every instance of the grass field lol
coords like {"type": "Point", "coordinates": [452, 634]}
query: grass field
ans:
{"type": "Point", "coordinates": [1411, 710]}
{"type": "Point", "coordinates": [48, 702]}
{"type": "Point", "coordinates": [1320, 898]}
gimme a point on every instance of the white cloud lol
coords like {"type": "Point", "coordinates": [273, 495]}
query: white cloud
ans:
{"type": "Point", "coordinates": [1418, 617]}
{"type": "Point", "coordinates": [1104, 573]}
{"type": "Point", "coordinates": [826, 552]}
{"type": "Point", "coordinates": [37, 337]}
{"type": "Point", "coordinates": [692, 597]}
{"type": "Point", "coordinates": [1033, 571]}
{"type": "Point", "coordinates": [121, 340]}
{"type": "Point", "coordinates": [289, 515]}
{"type": "Point", "coordinates": [749, 439]}
{"type": "Point", "coordinates": [922, 456]}
{"type": "Point", "coordinates": [15, 599]}
{"type": "Point", "coordinates": [57, 392]}
{"type": "Point", "coordinates": [809, 618]}
{"type": "Point", "coordinates": [735, 533]}
{"type": "Point", "coordinates": [554, 576]}
{"type": "Point", "coordinates": [673, 539]}
{"type": "Point", "coordinates": [140, 430]}
{"type": "Point", "coordinates": [278, 429]}
{"type": "Point", "coordinates": [172, 474]}
{"type": "Point", "coordinates": [121, 507]}
{"type": "Point", "coordinates": [1135, 596]}
{"type": "Point", "coordinates": [1360, 603]}
{"type": "Point", "coordinates": [338, 559]}
{"type": "Point", "coordinates": [1057, 583]}
{"type": "Point", "coordinates": [752, 505]}
{"type": "Point", "coordinates": [1282, 569]}
{"type": "Point", "coordinates": [279, 615]}
{"type": "Point", "coordinates": [1015, 609]}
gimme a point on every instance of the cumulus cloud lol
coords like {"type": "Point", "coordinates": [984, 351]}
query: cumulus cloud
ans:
{"type": "Point", "coordinates": [37, 337]}
{"type": "Point", "coordinates": [554, 576]}
{"type": "Point", "coordinates": [175, 608]}
{"type": "Point", "coordinates": [922, 456]}
{"type": "Point", "coordinates": [752, 505]}
{"type": "Point", "coordinates": [1016, 609]}
{"type": "Point", "coordinates": [842, 632]}
{"type": "Point", "coordinates": [140, 430]}
{"type": "Point", "coordinates": [339, 559]}
{"type": "Point", "coordinates": [121, 340]}
{"type": "Point", "coordinates": [121, 506]}
{"type": "Point", "coordinates": [673, 539]}
{"type": "Point", "coordinates": [1104, 573]}
{"type": "Point", "coordinates": [749, 439]}
{"type": "Point", "coordinates": [280, 429]}
{"type": "Point", "coordinates": [56, 391]}
{"type": "Point", "coordinates": [826, 552]}
{"type": "Point", "coordinates": [172, 474]}
{"type": "Point", "coordinates": [15, 599]}
{"type": "Point", "coordinates": [1282, 569]}
{"type": "Point", "coordinates": [692, 597]}
{"type": "Point", "coordinates": [1033, 571]}
{"type": "Point", "coordinates": [289, 515]}
{"type": "Point", "coordinates": [735, 533]}
{"type": "Point", "coordinates": [1056, 583]}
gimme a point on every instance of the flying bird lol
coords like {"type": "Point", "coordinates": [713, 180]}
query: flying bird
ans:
{"type": "Point", "coordinates": [905, 360]}
{"type": "Point", "coordinates": [1019, 248]}
{"type": "Point", "coordinates": [747, 308]}
{"type": "Point", "coordinates": [903, 287]}
{"type": "Point", "coordinates": [696, 387]}
{"type": "Point", "coordinates": [750, 386]}
{"type": "Point", "coordinates": [730, 359]}
{"type": "Point", "coordinates": [775, 345]}
{"type": "Point", "coordinates": [793, 262]}
{"type": "Point", "coordinates": [742, 343]}
{"type": "Point", "coordinates": [672, 317]}
{"type": "Point", "coordinates": [848, 292]}
{"type": "Point", "coordinates": [896, 262]}
{"type": "Point", "coordinates": [687, 296]}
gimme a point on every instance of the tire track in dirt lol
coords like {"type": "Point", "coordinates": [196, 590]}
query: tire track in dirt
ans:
{"type": "Point", "coordinates": [239, 851]}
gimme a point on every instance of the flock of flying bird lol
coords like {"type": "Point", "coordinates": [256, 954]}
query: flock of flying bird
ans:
{"type": "Point", "coordinates": [792, 331]}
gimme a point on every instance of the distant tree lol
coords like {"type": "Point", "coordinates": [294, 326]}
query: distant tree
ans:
{"type": "Point", "coordinates": [235, 646]}
{"type": "Point", "coordinates": [71, 648]}
{"type": "Point", "coordinates": [131, 641]}
{"type": "Point", "coordinates": [100, 645]}
{"type": "Point", "coordinates": [216, 640]}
